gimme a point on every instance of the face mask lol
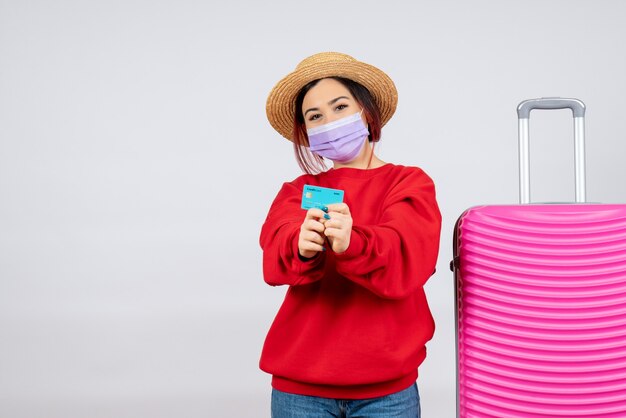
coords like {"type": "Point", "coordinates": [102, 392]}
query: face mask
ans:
{"type": "Point", "coordinates": [340, 140]}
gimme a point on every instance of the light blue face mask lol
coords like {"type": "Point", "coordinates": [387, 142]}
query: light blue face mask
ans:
{"type": "Point", "coordinates": [340, 140]}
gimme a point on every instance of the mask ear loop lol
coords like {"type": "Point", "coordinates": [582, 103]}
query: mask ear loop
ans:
{"type": "Point", "coordinates": [373, 145]}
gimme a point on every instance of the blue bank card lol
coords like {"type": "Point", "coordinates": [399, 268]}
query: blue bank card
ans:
{"type": "Point", "coordinates": [318, 197]}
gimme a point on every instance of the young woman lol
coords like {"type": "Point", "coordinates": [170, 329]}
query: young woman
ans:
{"type": "Point", "coordinates": [351, 332]}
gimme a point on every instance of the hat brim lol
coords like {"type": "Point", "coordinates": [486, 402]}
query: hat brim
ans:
{"type": "Point", "coordinates": [280, 105]}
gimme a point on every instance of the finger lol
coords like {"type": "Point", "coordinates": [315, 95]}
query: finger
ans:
{"type": "Point", "coordinates": [314, 213]}
{"type": "Point", "coordinates": [314, 237]}
{"type": "Point", "coordinates": [331, 223]}
{"type": "Point", "coordinates": [312, 247]}
{"type": "Point", "coordinates": [322, 220]}
{"type": "Point", "coordinates": [339, 207]}
{"type": "Point", "coordinates": [317, 244]}
{"type": "Point", "coordinates": [332, 233]}
{"type": "Point", "coordinates": [336, 221]}
{"type": "Point", "coordinates": [314, 225]}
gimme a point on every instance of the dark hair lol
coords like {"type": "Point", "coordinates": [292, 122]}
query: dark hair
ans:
{"type": "Point", "coordinates": [312, 163]}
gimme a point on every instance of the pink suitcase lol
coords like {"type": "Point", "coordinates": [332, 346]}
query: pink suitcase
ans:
{"type": "Point", "coordinates": [541, 300]}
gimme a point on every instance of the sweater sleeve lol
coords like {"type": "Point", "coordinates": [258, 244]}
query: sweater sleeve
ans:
{"type": "Point", "coordinates": [282, 264]}
{"type": "Point", "coordinates": [396, 256]}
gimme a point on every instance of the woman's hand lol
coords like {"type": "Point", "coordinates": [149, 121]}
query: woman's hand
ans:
{"type": "Point", "coordinates": [339, 227]}
{"type": "Point", "coordinates": [311, 238]}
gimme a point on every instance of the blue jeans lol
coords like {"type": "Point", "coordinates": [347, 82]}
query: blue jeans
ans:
{"type": "Point", "coordinates": [403, 404]}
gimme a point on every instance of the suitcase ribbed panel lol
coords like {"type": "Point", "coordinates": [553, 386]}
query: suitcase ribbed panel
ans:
{"type": "Point", "coordinates": [541, 293]}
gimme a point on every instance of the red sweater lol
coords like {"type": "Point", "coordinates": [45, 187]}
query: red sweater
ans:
{"type": "Point", "coordinates": [353, 325]}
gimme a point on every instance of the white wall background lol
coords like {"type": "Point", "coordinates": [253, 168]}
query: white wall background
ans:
{"type": "Point", "coordinates": [137, 167]}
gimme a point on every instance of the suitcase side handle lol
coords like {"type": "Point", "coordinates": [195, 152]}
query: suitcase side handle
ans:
{"type": "Point", "coordinates": [523, 114]}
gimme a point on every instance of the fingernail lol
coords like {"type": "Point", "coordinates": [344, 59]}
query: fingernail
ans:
{"type": "Point", "coordinates": [326, 216]}
{"type": "Point", "coordinates": [323, 248]}
{"type": "Point", "coordinates": [325, 209]}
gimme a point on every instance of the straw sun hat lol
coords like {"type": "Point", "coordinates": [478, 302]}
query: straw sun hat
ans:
{"type": "Point", "coordinates": [281, 102]}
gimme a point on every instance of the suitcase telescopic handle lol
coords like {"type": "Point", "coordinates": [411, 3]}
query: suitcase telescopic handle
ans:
{"type": "Point", "coordinates": [523, 114]}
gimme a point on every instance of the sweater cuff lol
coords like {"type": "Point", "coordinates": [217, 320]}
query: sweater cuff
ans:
{"type": "Point", "coordinates": [355, 248]}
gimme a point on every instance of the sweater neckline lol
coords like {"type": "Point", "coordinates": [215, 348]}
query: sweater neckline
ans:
{"type": "Point", "coordinates": [359, 172]}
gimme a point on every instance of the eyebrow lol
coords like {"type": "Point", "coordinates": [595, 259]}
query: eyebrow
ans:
{"type": "Point", "coordinates": [333, 101]}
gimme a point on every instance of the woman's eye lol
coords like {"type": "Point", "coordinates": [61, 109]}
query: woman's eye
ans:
{"type": "Point", "coordinates": [315, 117]}
{"type": "Point", "coordinates": [341, 107]}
